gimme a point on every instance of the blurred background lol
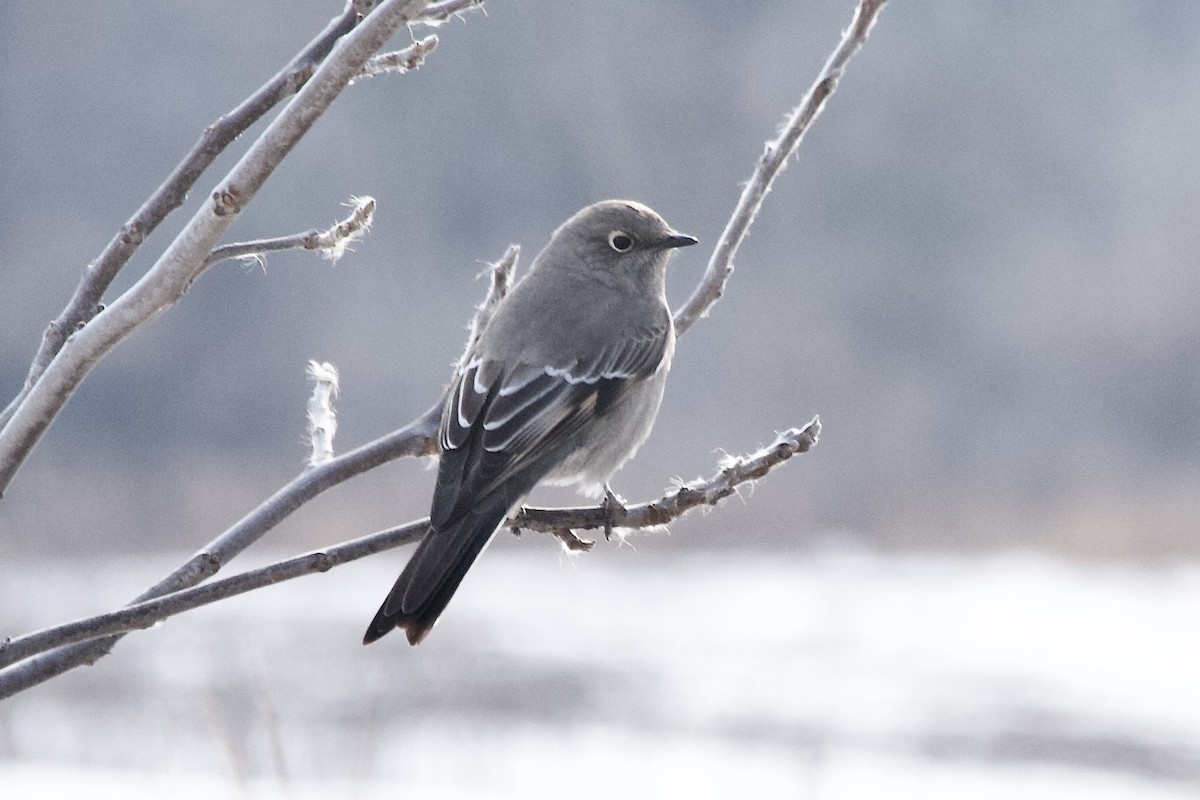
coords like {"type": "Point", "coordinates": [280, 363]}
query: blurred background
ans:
{"type": "Point", "coordinates": [981, 272]}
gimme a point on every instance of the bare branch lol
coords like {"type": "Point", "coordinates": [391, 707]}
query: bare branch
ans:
{"type": "Point", "coordinates": [170, 276]}
{"type": "Point", "coordinates": [771, 163]}
{"type": "Point", "coordinates": [333, 241]}
{"type": "Point", "coordinates": [733, 473]}
{"type": "Point", "coordinates": [147, 613]}
{"type": "Point", "coordinates": [98, 276]}
{"type": "Point", "coordinates": [400, 61]}
{"type": "Point", "coordinates": [558, 522]}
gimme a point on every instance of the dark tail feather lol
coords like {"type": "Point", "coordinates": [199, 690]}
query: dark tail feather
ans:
{"type": "Point", "coordinates": [435, 570]}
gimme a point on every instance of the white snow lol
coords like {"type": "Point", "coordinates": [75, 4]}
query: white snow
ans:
{"type": "Point", "coordinates": [647, 674]}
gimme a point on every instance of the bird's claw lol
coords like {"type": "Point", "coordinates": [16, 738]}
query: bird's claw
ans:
{"type": "Point", "coordinates": [573, 542]}
{"type": "Point", "coordinates": [613, 506]}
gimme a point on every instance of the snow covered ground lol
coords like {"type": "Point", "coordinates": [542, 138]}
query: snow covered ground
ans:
{"type": "Point", "coordinates": [837, 675]}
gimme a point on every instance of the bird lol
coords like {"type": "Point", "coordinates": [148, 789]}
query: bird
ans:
{"type": "Point", "coordinates": [561, 387]}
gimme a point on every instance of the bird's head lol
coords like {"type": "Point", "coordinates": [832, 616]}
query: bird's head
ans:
{"type": "Point", "coordinates": [617, 239]}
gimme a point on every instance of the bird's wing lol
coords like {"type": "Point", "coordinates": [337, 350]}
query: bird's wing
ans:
{"type": "Point", "coordinates": [505, 424]}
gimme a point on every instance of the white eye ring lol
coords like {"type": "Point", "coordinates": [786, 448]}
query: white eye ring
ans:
{"type": "Point", "coordinates": [620, 241]}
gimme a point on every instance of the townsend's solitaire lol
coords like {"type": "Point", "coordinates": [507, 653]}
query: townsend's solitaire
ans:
{"type": "Point", "coordinates": [562, 386]}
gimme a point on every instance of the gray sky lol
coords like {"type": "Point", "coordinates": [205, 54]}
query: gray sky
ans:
{"type": "Point", "coordinates": [981, 271]}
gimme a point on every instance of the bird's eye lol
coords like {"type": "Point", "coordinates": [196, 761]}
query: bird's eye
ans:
{"type": "Point", "coordinates": [620, 241]}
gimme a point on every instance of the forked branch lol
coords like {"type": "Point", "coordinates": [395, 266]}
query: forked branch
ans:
{"type": "Point", "coordinates": [733, 473]}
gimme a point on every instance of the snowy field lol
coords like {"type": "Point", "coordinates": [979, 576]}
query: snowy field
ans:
{"type": "Point", "coordinates": [632, 674]}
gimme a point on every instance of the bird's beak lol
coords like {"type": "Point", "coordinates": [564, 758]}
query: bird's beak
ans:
{"type": "Point", "coordinates": [678, 240]}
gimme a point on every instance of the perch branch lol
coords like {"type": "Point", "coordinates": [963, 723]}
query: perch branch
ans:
{"type": "Point", "coordinates": [733, 473]}
{"type": "Point", "coordinates": [771, 163]}
{"type": "Point", "coordinates": [674, 504]}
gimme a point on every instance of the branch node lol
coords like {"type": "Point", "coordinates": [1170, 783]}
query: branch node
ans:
{"type": "Point", "coordinates": [296, 80]}
{"type": "Point", "coordinates": [227, 201]}
{"type": "Point", "coordinates": [335, 241]}
{"type": "Point", "coordinates": [131, 234]}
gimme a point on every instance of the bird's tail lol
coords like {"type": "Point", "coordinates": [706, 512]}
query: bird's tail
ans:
{"type": "Point", "coordinates": [435, 570]}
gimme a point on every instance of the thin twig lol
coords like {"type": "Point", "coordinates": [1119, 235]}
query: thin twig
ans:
{"type": "Point", "coordinates": [559, 522]}
{"type": "Point", "coordinates": [437, 13]}
{"type": "Point", "coordinates": [771, 163]}
{"type": "Point", "coordinates": [500, 276]}
{"type": "Point", "coordinates": [400, 61]}
{"type": "Point", "coordinates": [333, 241]}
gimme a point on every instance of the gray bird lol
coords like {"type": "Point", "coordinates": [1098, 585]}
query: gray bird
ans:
{"type": "Point", "coordinates": [561, 387]}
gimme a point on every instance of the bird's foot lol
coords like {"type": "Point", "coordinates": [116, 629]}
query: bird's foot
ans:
{"type": "Point", "coordinates": [573, 542]}
{"type": "Point", "coordinates": [614, 507]}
